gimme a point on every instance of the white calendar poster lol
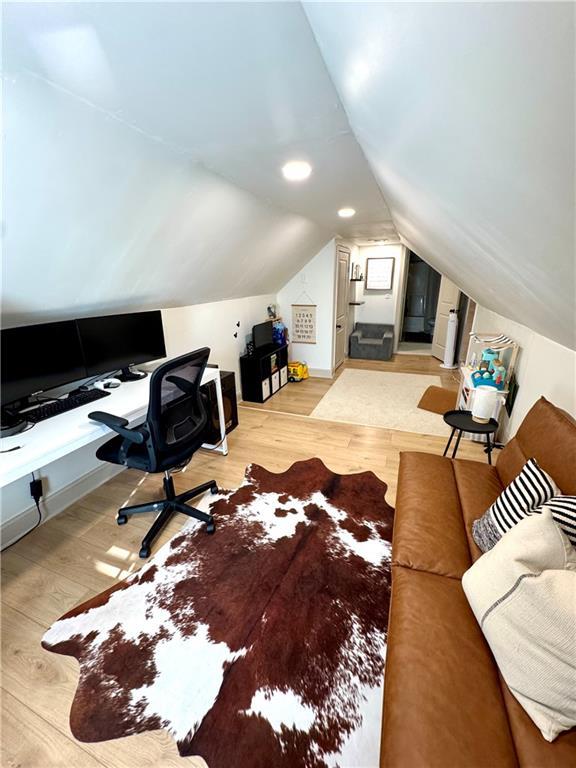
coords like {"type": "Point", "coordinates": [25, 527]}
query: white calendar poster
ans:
{"type": "Point", "coordinates": [303, 324]}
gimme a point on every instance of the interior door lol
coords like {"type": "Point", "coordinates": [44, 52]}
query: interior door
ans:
{"type": "Point", "coordinates": [448, 298]}
{"type": "Point", "coordinates": [341, 314]}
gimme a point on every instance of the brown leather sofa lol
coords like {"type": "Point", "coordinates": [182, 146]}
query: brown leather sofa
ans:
{"type": "Point", "coordinates": [445, 705]}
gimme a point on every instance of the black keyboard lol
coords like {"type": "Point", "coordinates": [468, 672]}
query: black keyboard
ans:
{"type": "Point", "coordinates": [74, 400]}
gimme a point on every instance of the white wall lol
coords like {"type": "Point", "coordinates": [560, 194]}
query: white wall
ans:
{"type": "Point", "coordinates": [381, 306]}
{"type": "Point", "coordinates": [544, 368]}
{"type": "Point", "coordinates": [314, 284]}
{"type": "Point", "coordinates": [214, 325]}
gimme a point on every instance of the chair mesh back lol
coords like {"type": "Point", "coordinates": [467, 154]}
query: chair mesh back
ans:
{"type": "Point", "coordinates": [176, 412]}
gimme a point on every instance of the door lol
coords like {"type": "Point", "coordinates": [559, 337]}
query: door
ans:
{"type": "Point", "coordinates": [448, 298]}
{"type": "Point", "coordinates": [341, 313]}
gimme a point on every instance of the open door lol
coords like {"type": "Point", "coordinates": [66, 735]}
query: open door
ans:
{"type": "Point", "coordinates": [341, 313]}
{"type": "Point", "coordinates": [448, 298]}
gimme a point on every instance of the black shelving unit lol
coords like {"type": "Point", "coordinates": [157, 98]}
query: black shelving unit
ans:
{"type": "Point", "coordinates": [264, 373]}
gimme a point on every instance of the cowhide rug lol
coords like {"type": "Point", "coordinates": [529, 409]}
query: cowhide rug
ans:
{"type": "Point", "coordinates": [261, 646]}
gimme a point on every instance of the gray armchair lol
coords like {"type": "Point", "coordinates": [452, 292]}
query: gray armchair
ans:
{"type": "Point", "coordinates": [372, 341]}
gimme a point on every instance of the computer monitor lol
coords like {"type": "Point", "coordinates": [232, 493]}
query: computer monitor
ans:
{"type": "Point", "coordinates": [114, 342]}
{"type": "Point", "coordinates": [36, 358]}
{"type": "Point", "coordinates": [263, 335]}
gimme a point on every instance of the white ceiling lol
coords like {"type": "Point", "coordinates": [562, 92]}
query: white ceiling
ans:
{"type": "Point", "coordinates": [237, 87]}
{"type": "Point", "coordinates": [465, 112]}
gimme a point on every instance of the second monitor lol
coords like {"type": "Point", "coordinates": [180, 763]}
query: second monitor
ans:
{"type": "Point", "coordinates": [114, 342]}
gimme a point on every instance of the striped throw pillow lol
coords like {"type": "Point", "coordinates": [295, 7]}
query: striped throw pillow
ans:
{"type": "Point", "coordinates": [526, 493]}
{"type": "Point", "coordinates": [563, 509]}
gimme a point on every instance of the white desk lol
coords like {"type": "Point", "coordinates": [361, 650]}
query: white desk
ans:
{"type": "Point", "coordinates": [59, 436]}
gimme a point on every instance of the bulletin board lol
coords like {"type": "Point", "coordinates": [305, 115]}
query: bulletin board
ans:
{"type": "Point", "coordinates": [303, 324]}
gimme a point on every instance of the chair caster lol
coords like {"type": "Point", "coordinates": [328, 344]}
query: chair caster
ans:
{"type": "Point", "coordinates": [214, 489]}
{"type": "Point", "coordinates": [210, 527]}
{"type": "Point", "coordinates": [144, 552]}
{"type": "Point", "coordinates": [122, 519]}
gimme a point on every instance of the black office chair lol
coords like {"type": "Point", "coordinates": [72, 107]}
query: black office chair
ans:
{"type": "Point", "coordinates": [172, 433]}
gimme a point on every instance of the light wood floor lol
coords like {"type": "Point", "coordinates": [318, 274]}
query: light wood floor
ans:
{"type": "Point", "coordinates": [82, 551]}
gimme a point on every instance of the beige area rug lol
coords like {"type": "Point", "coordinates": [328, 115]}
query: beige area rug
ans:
{"type": "Point", "coordinates": [378, 399]}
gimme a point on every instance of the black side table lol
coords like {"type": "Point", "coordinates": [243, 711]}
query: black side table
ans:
{"type": "Point", "coordinates": [462, 421]}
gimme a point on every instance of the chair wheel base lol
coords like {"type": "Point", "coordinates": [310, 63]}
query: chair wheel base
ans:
{"type": "Point", "coordinates": [214, 489]}
{"type": "Point", "coordinates": [210, 527]}
{"type": "Point", "coordinates": [144, 552]}
{"type": "Point", "coordinates": [122, 519]}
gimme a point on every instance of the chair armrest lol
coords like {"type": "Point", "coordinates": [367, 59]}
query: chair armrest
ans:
{"type": "Point", "coordinates": [119, 425]}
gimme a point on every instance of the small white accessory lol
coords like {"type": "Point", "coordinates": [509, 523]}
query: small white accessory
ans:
{"type": "Point", "coordinates": [106, 384]}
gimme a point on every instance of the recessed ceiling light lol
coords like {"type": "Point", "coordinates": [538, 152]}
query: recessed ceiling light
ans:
{"type": "Point", "coordinates": [296, 170]}
{"type": "Point", "coordinates": [346, 213]}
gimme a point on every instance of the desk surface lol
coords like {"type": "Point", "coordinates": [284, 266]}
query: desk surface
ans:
{"type": "Point", "coordinates": [54, 438]}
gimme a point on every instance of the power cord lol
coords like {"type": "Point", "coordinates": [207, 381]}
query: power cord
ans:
{"type": "Point", "coordinates": [36, 492]}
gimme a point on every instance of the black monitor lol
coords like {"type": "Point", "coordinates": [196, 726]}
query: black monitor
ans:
{"type": "Point", "coordinates": [262, 335]}
{"type": "Point", "coordinates": [36, 358]}
{"type": "Point", "coordinates": [114, 342]}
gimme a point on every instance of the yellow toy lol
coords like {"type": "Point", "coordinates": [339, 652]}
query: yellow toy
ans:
{"type": "Point", "coordinates": [297, 371]}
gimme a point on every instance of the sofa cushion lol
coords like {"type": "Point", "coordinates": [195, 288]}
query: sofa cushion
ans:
{"type": "Point", "coordinates": [523, 594]}
{"type": "Point", "coordinates": [478, 486]}
{"type": "Point", "coordinates": [549, 435]}
{"type": "Point", "coordinates": [428, 527]}
{"type": "Point", "coordinates": [531, 488]}
{"type": "Point", "coordinates": [443, 704]}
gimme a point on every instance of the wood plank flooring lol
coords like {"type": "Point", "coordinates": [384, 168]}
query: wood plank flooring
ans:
{"type": "Point", "coordinates": [82, 551]}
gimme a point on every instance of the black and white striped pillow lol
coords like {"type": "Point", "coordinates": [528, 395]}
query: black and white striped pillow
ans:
{"type": "Point", "coordinates": [563, 510]}
{"type": "Point", "coordinates": [529, 490]}
{"type": "Point", "coordinates": [526, 493]}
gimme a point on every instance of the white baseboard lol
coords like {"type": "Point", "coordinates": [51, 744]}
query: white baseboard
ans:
{"type": "Point", "coordinates": [321, 373]}
{"type": "Point", "coordinates": [54, 503]}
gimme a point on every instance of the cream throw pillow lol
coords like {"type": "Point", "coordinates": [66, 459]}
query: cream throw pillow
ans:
{"type": "Point", "coordinates": [523, 594]}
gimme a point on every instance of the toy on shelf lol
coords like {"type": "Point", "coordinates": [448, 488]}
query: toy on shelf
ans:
{"type": "Point", "coordinates": [279, 332]}
{"type": "Point", "coordinates": [491, 360]}
{"type": "Point", "coordinates": [297, 371]}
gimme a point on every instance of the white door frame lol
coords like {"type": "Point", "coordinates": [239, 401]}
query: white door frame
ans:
{"type": "Point", "coordinates": [347, 250]}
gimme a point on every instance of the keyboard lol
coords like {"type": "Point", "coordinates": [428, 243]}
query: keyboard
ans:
{"type": "Point", "coordinates": [56, 407]}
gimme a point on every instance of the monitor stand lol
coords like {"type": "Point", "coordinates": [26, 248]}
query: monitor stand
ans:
{"type": "Point", "coordinates": [127, 374]}
{"type": "Point", "coordinates": [11, 423]}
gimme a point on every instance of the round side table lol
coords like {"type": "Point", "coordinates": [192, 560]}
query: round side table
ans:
{"type": "Point", "coordinates": [462, 421]}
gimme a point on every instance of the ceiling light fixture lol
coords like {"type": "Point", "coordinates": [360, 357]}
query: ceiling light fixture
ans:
{"type": "Point", "coordinates": [296, 170]}
{"type": "Point", "coordinates": [346, 213]}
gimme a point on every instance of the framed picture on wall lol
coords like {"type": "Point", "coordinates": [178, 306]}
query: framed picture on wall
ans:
{"type": "Point", "coordinates": [379, 274]}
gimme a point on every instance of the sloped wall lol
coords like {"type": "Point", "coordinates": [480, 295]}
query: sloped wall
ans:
{"type": "Point", "coordinates": [99, 217]}
{"type": "Point", "coordinates": [465, 112]}
{"type": "Point", "coordinates": [544, 368]}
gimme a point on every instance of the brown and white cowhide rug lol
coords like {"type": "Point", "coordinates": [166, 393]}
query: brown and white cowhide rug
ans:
{"type": "Point", "coordinates": [261, 646]}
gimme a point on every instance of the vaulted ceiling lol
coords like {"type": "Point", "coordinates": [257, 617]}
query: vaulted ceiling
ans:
{"type": "Point", "coordinates": [144, 141]}
{"type": "Point", "coordinates": [465, 112]}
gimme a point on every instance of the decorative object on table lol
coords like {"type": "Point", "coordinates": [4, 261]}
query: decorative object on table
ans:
{"type": "Point", "coordinates": [271, 310]}
{"type": "Point", "coordinates": [297, 371]}
{"type": "Point", "coordinates": [484, 351]}
{"type": "Point", "coordinates": [303, 324]}
{"type": "Point", "coordinates": [462, 421]}
{"type": "Point", "coordinates": [264, 645]}
{"type": "Point", "coordinates": [279, 332]}
{"type": "Point", "coordinates": [357, 275]}
{"type": "Point", "coordinates": [484, 403]}
{"type": "Point", "coordinates": [379, 274]}
{"type": "Point", "coordinates": [450, 345]}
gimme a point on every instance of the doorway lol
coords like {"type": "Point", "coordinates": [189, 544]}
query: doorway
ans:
{"type": "Point", "coordinates": [420, 304]}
